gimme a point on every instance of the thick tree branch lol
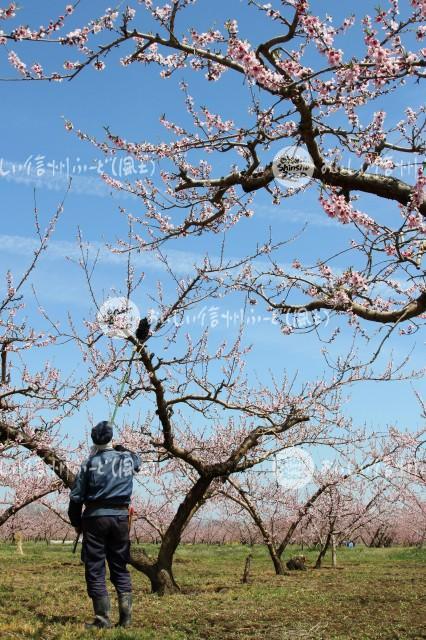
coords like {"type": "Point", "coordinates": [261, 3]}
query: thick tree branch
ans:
{"type": "Point", "coordinates": [56, 463]}
{"type": "Point", "coordinates": [412, 309]}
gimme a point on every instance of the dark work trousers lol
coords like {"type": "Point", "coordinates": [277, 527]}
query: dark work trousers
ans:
{"type": "Point", "coordinates": [106, 538]}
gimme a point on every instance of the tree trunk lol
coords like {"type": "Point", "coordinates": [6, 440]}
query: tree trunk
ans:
{"type": "Point", "coordinates": [276, 560]}
{"type": "Point", "coordinates": [160, 571]}
{"type": "Point", "coordinates": [333, 551]}
{"type": "Point", "coordinates": [375, 536]}
{"type": "Point", "coordinates": [163, 582]}
{"type": "Point", "coordinates": [301, 514]}
{"type": "Point", "coordinates": [18, 541]}
{"type": "Point", "coordinates": [267, 538]}
{"type": "Point", "coordinates": [323, 552]}
{"type": "Point", "coordinates": [247, 565]}
{"type": "Point", "coordinates": [161, 578]}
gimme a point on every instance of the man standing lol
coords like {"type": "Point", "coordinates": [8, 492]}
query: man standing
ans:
{"type": "Point", "coordinates": [104, 485]}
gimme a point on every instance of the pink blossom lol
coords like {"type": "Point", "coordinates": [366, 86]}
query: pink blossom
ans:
{"type": "Point", "coordinates": [241, 52]}
{"type": "Point", "coordinates": [421, 32]}
{"type": "Point", "coordinates": [215, 71]}
{"type": "Point", "coordinates": [334, 56]}
{"type": "Point", "coordinates": [76, 37]}
{"type": "Point", "coordinates": [338, 207]}
{"type": "Point", "coordinates": [325, 271]}
{"type": "Point", "coordinates": [202, 39]}
{"type": "Point", "coordinates": [112, 182]}
{"type": "Point", "coordinates": [340, 297]}
{"type": "Point", "coordinates": [356, 280]}
{"type": "Point", "coordinates": [16, 62]}
{"type": "Point", "coordinates": [71, 65]}
{"type": "Point", "coordinates": [5, 14]}
{"type": "Point", "coordinates": [411, 115]}
{"type": "Point", "coordinates": [162, 13]}
{"type": "Point", "coordinates": [214, 121]}
{"type": "Point", "coordinates": [421, 5]}
{"type": "Point", "coordinates": [22, 32]}
{"type": "Point", "coordinates": [410, 328]}
{"type": "Point", "coordinates": [232, 27]}
{"type": "Point", "coordinates": [419, 191]}
{"type": "Point", "coordinates": [129, 13]}
{"type": "Point", "coordinates": [38, 70]}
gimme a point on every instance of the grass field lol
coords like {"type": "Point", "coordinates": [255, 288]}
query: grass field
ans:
{"type": "Point", "coordinates": [374, 594]}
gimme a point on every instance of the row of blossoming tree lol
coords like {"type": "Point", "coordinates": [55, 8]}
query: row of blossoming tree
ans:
{"type": "Point", "coordinates": [206, 425]}
{"type": "Point", "coordinates": [205, 428]}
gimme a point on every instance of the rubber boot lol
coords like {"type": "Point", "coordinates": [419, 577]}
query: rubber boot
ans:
{"type": "Point", "coordinates": [125, 609]}
{"type": "Point", "coordinates": [102, 609]}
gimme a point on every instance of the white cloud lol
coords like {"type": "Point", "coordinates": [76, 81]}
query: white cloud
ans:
{"type": "Point", "coordinates": [29, 173]}
{"type": "Point", "coordinates": [182, 261]}
{"type": "Point", "coordinates": [286, 214]}
{"type": "Point", "coordinates": [44, 178]}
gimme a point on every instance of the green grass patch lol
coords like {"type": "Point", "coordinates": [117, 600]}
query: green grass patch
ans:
{"type": "Point", "coordinates": [375, 594]}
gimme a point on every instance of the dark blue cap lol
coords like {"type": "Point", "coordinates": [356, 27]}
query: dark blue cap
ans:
{"type": "Point", "coordinates": [102, 433]}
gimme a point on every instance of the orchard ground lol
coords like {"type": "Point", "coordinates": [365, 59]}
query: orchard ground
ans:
{"type": "Point", "coordinates": [374, 594]}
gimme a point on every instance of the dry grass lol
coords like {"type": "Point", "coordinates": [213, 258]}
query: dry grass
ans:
{"type": "Point", "coordinates": [376, 594]}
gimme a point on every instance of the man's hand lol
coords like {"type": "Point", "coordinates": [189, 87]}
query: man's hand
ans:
{"type": "Point", "coordinates": [119, 447]}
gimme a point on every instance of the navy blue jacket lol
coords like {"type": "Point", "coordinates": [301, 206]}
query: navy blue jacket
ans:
{"type": "Point", "coordinates": [103, 484]}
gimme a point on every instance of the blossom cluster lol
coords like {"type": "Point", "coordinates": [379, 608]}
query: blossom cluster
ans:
{"type": "Point", "coordinates": [152, 54]}
{"type": "Point", "coordinates": [241, 52]}
{"type": "Point", "coordinates": [421, 5]}
{"type": "Point", "coordinates": [23, 32]}
{"type": "Point", "coordinates": [203, 39]}
{"type": "Point", "coordinates": [323, 35]}
{"type": "Point", "coordinates": [419, 191]}
{"type": "Point", "coordinates": [337, 206]}
{"type": "Point", "coordinates": [17, 63]}
{"type": "Point", "coordinates": [10, 12]}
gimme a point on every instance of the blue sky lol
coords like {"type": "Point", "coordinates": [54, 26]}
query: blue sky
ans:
{"type": "Point", "coordinates": [130, 102]}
